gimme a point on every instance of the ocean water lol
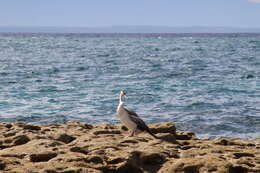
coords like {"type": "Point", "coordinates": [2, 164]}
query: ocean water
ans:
{"type": "Point", "coordinates": [206, 83]}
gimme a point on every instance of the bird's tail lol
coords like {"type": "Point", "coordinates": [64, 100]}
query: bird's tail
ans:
{"type": "Point", "coordinates": [151, 133]}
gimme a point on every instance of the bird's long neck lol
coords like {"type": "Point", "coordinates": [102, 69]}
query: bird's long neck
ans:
{"type": "Point", "coordinates": [121, 100]}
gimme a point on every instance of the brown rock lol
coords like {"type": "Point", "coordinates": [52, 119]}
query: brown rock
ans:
{"type": "Point", "coordinates": [8, 126]}
{"type": "Point", "coordinates": [20, 156]}
{"type": "Point", "coordinates": [2, 165]}
{"type": "Point", "coordinates": [42, 157]}
{"type": "Point", "coordinates": [31, 127]}
{"type": "Point", "coordinates": [152, 158]}
{"type": "Point", "coordinates": [88, 126]}
{"type": "Point", "coordinates": [79, 150]}
{"type": "Point", "coordinates": [224, 142]}
{"type": "Point", "coordinates": [168, 137]}
{"type": "Point", "coordinates": [106, 148]}
{"type": "Point", "coordinates": [106, 132]}
{"type": "Point", "coordinates": [238, 155]}
{"type": "Point", "coordinates": [115, 160]}
{"type": "Point", "coordinates": [20, 140]}
{"type": "Point", "coordinates": [237, 169]}
{"type": "Point", "coordinates": [166, 127]}
{"type": "Point", "coordinates": [129, 168]}
{"type": "Point", "coordinates": [95, 159]}
{"type": "Point", "coordinates": [65, 138]}
{"type": "Point", "coordinates": [9, 134]}
{"type": "Point", "coordinates": [49, 171]}
{"type": "Point", "coordinates": [186, 135]}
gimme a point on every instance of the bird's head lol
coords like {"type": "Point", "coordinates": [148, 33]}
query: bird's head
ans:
{"type": "Point", "coordinates": [123, 93]}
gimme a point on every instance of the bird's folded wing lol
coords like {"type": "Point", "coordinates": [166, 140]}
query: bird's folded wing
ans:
{"type": "Point", "coordinates": [130, 112]}
{"type": "Point", "coordinates": [136, 119]}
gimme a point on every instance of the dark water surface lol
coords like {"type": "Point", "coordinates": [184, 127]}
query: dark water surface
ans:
{"type": "Point", "coordinates": [206, 83]}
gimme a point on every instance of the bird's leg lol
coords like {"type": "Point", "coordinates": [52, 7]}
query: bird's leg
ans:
{"type": "Point", "coordinates": [132, 133]}
{"type": "Point", "coordinates": [136, 132]}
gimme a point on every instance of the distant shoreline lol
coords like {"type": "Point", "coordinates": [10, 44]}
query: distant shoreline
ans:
{"type": "Point", "coordinates": [126, 29]}
{"type": "Point", "coordinates": [131, 34]}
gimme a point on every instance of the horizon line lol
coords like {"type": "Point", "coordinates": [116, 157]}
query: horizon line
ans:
{"type": "Point", "coordinates": [105, 26]}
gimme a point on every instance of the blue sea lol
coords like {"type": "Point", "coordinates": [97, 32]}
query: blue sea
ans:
{"type": "Point", "coordinates": [205, 83]}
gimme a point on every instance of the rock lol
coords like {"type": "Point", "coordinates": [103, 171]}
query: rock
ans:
{"type": "Point", "coordinates": [95, 159]}
{"type": "Point", "coordinates": [191, 168]}
{"type": "Point", "coordinates": [238, 155]}
{"type": "Point", "coordinates": [237, 169]}
{"type": "Point", "coordinates": [54, 143]}
{"type": "Point", "coordinates": [132, 141]}
{"type": "Point", "coordinates": [128, 168]}
{"type": "Point", "coordinates": [228, 141]}
{"type": "Point", "coordinates": [106, 132]}
{"type": "Point", "coordinates": [31, 127]}
{"type": "Point", "coordinates": [75, 124]}
{"type": "Point", "coordinates": [88, 126]}
{"type": "Point", "coordinates": [79, 150]}
{"type": "Point", "coordinates": [9, 134]}
{"type": "Point", "coordinates": [168, 137]}
{"type": "Point", "coordinates": [42, 157]}
{"type": "Point", "coordinates": [115, 160]}
{"type": "Point", "coordinates": [8, 126]}
{"type": "Point", "coordinates": [20, 140]}
{"type": "Point", "coordinates": [79, 170]}
{"type": "Point", "coordinates": [20, 156]}
{"type": "Point", "coordinates": [186, 135]}
{"type": "Point", "coordinates": [106, 148]}
{"type": "Point", "coordinates": [65, 138]}
{"type": "Point", "coordinates": [223, 142]}
{"type": "Point", "coordinates": [152, 158]}
{"type": "Point", "coordinates": [163, 128]}
{"type": "Point", "coordinates": [49, 171]}
{"type": "Point", "coordinates": [2, 165]}
{"type": "Point", "coordinates": [124, 128]}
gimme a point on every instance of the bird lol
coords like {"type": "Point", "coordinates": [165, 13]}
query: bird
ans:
{"type": "Point", "coordinates": [130, 118]}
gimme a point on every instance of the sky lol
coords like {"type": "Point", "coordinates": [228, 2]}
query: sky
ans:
{"type": "Point", "coordinates": [99, 13]}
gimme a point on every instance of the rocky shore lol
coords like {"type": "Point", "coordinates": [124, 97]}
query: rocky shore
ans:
{"type": "Point", "coordinates": [84, 148]}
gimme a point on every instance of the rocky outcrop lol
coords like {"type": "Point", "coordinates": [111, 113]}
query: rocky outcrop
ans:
{"type": "Point", "coordinates": [76, 147]}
